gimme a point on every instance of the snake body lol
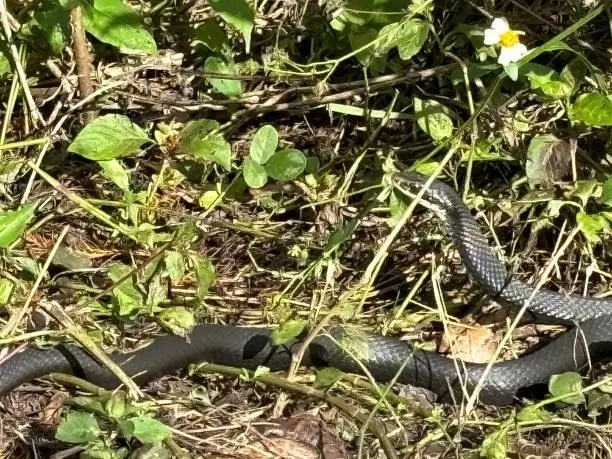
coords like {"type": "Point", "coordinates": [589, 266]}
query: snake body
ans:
{"type": "Point", "coordinates": [385, 358]}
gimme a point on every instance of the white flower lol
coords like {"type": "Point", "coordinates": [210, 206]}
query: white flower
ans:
{"type": "Point", "coordinates": [511, 47]}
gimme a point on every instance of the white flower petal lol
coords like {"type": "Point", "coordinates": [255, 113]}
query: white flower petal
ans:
{"type": "Point", "coordinates": [500, 25]}
{"type": "Point", "coordinates": [512, 54]}
{"type": "Point", "coordinates": [491, 37]}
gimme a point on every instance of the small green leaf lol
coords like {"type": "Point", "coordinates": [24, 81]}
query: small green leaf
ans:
{"type": "Point", "coordinates": [368, 57]}
{"type": "Point", "coordinates": [127, 297]}
{"type": "Point", "coordinates": [209, 198]}
{"type": "Point", "coordinates": [175, 266]}
{"type": "Point", "coordinates": [109, 137]}
{"type": "Point", "coordinates": [411, 38]}
{"type": "Point", "coordinates": [227, 87]}
{"type": "Point", "coordinates": [288, 331]}
{"type": "Point", "coordinates": [6, 290]}
{"type": "Point", "coordinates": [397, 207]}
{"type": "Point", "coordinates": [592, 226]}
{"type": "Point", "coordinates": [606, 192]}
{"type": "Point", "coordinates": [150, 451]}
{"type": "Point", "coordinates": [546, 80]}
{"type": "Point", "coordinates": [598, 400]}
{"type": "Point", "coordinates": [91, 404]}
{"type": "Point", "coordinates": [115, 405]}
{"type": "Point", "coordinates": [212, 36]}
{"type": "Point", "coordinates": [198, 140]}
{"type": "Point", "coordinates": [533, 413]}
{"type": "Point", "coordinates": [114, 171]}
{"type": "Point", "coordinates": [157, 291]}
{"type": "Point", "coordinates": [145, 430]}
{"type": "Point", "coordinates": [78, 427]}
{"type": "Point", "coordinates": [254, 175]}
{"type": "Point", "coordinates": [327, 377]}
{"type": "Point", "coordinates": [264, 144]}
{"type": "Point", "coordinates": [238, 14]}
{"type": "Point", "coordinates": [567, 383]}
{"type": "Point", "coordinates": [13, 223]}
{"type": "Point", "coordinates": [512, 71]}
{"type": "Point", "coordinates": [495, 445]}
{"type": "Point", "coordinates": [584, 190]}
{"type": "Point", "coordinates": [50, 22]}
{"type": "Point", "coordinates": [432, 118]}
{"type": "Point", "coordinates": [177, 319]}
{"type": "Point", "coordinates": [205, 274]}
{"type": "Point", "coordinates": [118, 24]}
{"type": "Point", "coordinates": [286, 164]}
{"type": "Point", "coordinates": [593, 109]}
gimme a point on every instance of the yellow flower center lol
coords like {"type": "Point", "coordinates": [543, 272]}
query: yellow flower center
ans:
{"type": "Point", "coordinates": [509, 38]}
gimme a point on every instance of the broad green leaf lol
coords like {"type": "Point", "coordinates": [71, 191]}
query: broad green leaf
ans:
{"type": "Point", "coordinates": [593, 109]}
{"type": "Point", "coordinates": [567, 383]}
{"type": "Point", "coordinates": [286, 164]}
{"type": "Point", "coordinates": [227, 87]}
{"type": "Point", "coordinates": [495, 445]}
{"type": "Point", "coordinates": [606, 192]}
{"type": "Point", "coordinates": [239, 14]}
{"type": "Point", "coordinates": [109, 137]}
{"type": "Point", "coordinates": [546, 80]}
{"type": "Point", "coordinates": [118, 24]}
{"type": "Point", "coordinates": [198, 140]}
{"type": "Point", "coordinates": [574, 73]}
{"type": "Point", "coordinates": [175, 266]}
{"type": "Point", "coordinates": [78, 427]}
{"type": "Point", "coordinates": [205, 274]}
{"type": "Point", "coordinates": [212, 36]}
{"type": "Point", "coordinates": [264, 144]}
{"type": "Point", "coordinates": [548, 159]}
{"type": "Point", "coordinates": [126, 295]}
{"type": "Point", "coordinates": [433, 119]}
{"type": "Point", "coordinates": [115, 172]}
{"type": "Point", "coordinates": [13, 223]}
{"type": "Point", "coordinates": [288, 331]}
{"type": "Point", "coordinates": [177, 319]}
{"type": "Point", "coordinates": [254, 175]}
{"type": "Point", "coordinates": [592, 226]}
{"type": "Point", "coordinates": [145, 430]}
{"type": "Point", "coordinates": [360, 37]}
{"type": "Point", "coordinates": [48, 27]}
{"type": "Point", "coordinates": [584, 190]}
{"type": "Point", "coordinates": [411, 38]}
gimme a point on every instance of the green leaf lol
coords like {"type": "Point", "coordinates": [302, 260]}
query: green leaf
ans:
{"type": "Point", "coordinates": [177, 319]}
{"type": "Point", "coordinates": [567, 383]}
{"type": "Point", "coordinates": [288, 331]}
{"type": "Point", "coordinates": [254, 175]}
{"type": "Point", "coordinates": [574, 73]}
{"type": "Point", "coordinates": [533, 413]}
{"type": "Point", "coordinates": [593, 109]}
{"type": "Point", "coordinates": [157, 291]}
{"type": "Point", "coordinates": [547, 80]}
{"type": "Point", "coordinates": [286, 164]}
{"type": "Point", "coordinates": [13, 223]}
{"type": "Point", "coordinates": [397, 207]}
{"type": "Point", "coordinates": [49, 27]}
{"type": "Point", "coordinates": [109, 137]}
{"type": "Point", "coordinates": [126, 295]}
{"type": "Point", "coordinates": [205, 274]}
{"type": "Point", "coordinates": [115, 405]}
{"type": "Point", "coordinates": [548, 159]}
{"type": "Point", "coordinates": [115, 172]}
{"type": "Point", "coordinates": [264, 144]}
{"type": "Point", "coordinates": [433, 119]}
{"type": "Point", "coordinates": [584, 190]}
{"type": "Point", "coordinates": [151, 451]}
{"type": "Point", "coordinates": [411, 38]}
{"type": "Point", "coordinates": [512, 70]}
{"type": "Point", "coordinates": [327, 377]}
{"type": "Point", "coordinates": [118, 24]}
{"type": "Point", "coordinates": [368, 57]}
{"type": "Point", "coordinates": [495, 445]}
{"type": "Point", "coordinates": [227, 87]}
{"type": "Point", "coordinates": [198, 140]}
{"type": "Point", "coordinates": [6, 290]}
{"type": "Point", "coordinates": [238, 14]}
{"type": "Point", "coordinates": [175, 266]}
{"type": "Point", "coordinates": [592, 226]}
{"type": "Point", "coordinates": [212, 36]}
{"type": "Point", "coordinates": [145, 430]}
{"type": "Point", "coordinates": [78, 427]}
{"type": "Point", "coordinates": [606, 192]}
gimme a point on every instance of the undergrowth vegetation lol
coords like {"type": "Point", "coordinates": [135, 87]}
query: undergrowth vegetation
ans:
{"type": "Point", "coordinates": [167, 163]}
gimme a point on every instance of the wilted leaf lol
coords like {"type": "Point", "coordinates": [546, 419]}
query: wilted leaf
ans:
{"type": "Point", "coordinates": [109, 137]}
{"type": "Point", "coordinates": [548, 159]}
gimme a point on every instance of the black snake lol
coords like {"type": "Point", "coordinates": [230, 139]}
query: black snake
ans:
{"type": "Point", "coordinates": [249, 347]}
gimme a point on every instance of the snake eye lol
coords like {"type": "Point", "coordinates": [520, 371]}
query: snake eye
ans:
{"type": "Point", "coordinates": [254, 346]}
